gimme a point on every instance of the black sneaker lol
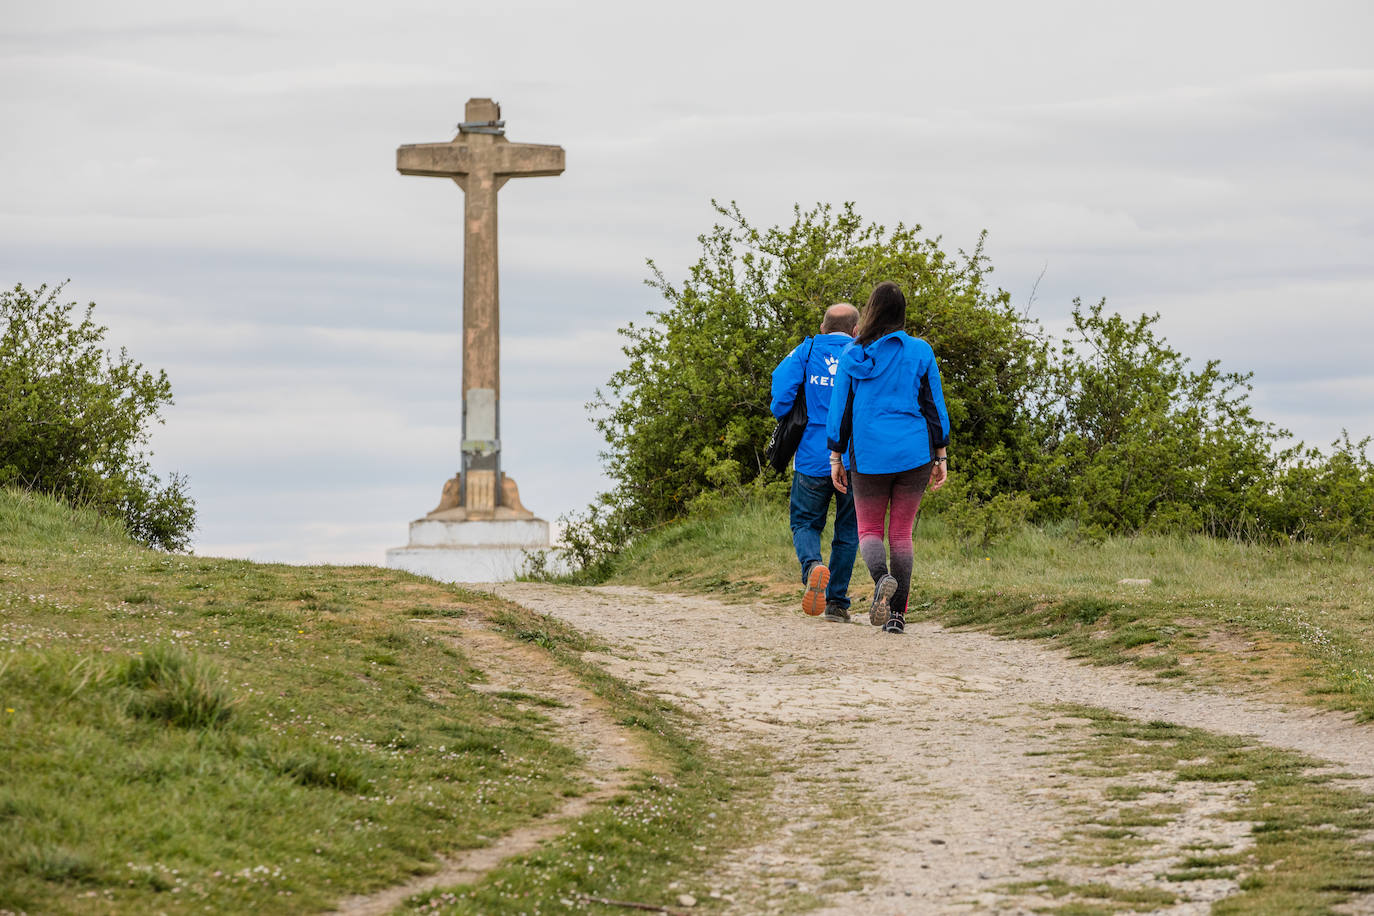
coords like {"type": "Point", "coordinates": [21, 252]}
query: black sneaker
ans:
{"type": "Point", "coordinates": [896, 623]}
{"type": "Point", "coordinates": [883, 591]}
{"type": "Point", "coordinates": [836, 613]}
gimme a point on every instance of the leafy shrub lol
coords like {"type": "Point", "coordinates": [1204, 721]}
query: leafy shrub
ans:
{"type": "Point", "coordinates": [689, 413]}
{"type": "Point", "coordinates": [74, 418]}
{"type": "Point", "coordinates": [1112, 432]}
{"type": "Point", "coordinates": [592, 539]}
{"type": "Point", "coordinates": [1325, 498]}
{"type": "Point", "coordinates": [1134, 440]}
{"type": "Point", "coordinates": [982, 524]}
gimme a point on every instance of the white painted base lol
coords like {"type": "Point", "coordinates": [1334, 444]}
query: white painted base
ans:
{"type": "Point", "coordinates": [493, 550]}
{"type": "Point", "coordinates": [509, 532]}
{"type": "Point", "coordinates": [471, 564]}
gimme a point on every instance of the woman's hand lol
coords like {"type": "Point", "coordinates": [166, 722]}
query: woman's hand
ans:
{"type": "Point", "coordinates": [938, 474]}
{"type": "Point", "coordinates": [838, 478]}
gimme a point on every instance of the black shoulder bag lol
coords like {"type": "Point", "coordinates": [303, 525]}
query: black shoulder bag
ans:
{"type": "Point", "coordinates": [788, 433]}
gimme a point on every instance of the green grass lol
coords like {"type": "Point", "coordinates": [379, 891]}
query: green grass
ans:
{"type": "Point", "coordinates": [1297, 619]}
{"type": "Point", "coordinates": [1104, 896]}
{"type": "Point", "coordinates": [1312, 846]}
{"type": "Point", "coordinates": [185, 733]}
{"type": "Point", "coordinates": [665, 829]}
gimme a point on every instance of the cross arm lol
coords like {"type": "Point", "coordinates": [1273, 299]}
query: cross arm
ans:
{"type": "Point", "coordinates": [437, 160]}
{"type": "Point", "coordinates": [527, 160]}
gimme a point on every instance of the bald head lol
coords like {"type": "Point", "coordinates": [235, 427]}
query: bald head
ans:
{"type": "Point", "coordinates": [840, 317]}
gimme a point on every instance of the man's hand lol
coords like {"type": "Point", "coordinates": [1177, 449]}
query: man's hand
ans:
{"type": "Point", "coordinates": [838, 478]}
{"type": "Point", "coordinates": [938, 475]}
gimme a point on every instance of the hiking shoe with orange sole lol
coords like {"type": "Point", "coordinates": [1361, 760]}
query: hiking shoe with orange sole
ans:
{"type": "Point", "coordinates": [813, 602]}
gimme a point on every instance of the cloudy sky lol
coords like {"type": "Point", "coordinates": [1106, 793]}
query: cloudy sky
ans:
{"type": "Point", "coordinates": [220, 179]}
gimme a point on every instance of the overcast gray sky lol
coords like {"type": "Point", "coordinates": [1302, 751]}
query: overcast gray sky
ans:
{"type": "Point", "coordinates": [221, 180]}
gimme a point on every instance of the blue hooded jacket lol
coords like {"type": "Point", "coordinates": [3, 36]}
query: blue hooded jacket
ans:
{"type": "Point", "coordinates": [813, 457]}
{"type": "Point", "coordinates": [887, 410]}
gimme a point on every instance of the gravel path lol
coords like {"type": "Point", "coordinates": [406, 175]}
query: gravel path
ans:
{"type": "Point", "coordinates": [927, 774]}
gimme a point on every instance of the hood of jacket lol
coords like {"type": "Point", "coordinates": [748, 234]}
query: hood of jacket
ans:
{"type": "Point", "coordinates": [874, 359]}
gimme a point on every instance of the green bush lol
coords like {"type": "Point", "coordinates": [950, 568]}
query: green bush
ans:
{"type": "Point", "coordinates": [689, 413]}
{"type": "Point", "coordinates": [979, 525]}
{"type": "Point", "coordinates": [1113, 432]}
{"type": "Point", "coordinates": [1324, 498]}
{"type": "Point", "coordinates": [74, 418]}
{"type": "Point", "coordinates": [1135, 441]}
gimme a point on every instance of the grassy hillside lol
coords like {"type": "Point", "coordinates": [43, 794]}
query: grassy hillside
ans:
{"type": "Point", "coordinates": [1298, 619]}
{"type": "Point", "coordinates": [182, 733]}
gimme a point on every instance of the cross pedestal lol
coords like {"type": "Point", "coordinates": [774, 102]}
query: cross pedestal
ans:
{"type": "Point", "coordinates": [480, 531]}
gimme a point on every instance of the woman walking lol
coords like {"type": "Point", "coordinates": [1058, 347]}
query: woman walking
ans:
{"type": "Point", "coordinates": [887, 411]}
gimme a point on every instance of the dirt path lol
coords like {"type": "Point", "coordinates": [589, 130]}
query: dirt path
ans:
{"type": "Point", "coordinates": [611, 752]}
{"type": "Point", "coordinates": [928, 776]}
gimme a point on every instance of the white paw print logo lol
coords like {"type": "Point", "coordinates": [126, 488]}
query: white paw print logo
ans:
{"type": "Point", "coordinates": [831, 364]}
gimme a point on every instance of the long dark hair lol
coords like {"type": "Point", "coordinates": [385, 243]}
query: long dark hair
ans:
{"type": "Point", "coordinates": [885, 313]}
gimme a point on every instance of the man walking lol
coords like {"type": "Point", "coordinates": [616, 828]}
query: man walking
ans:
{"type": "Point", "coordinates": [815, 361]}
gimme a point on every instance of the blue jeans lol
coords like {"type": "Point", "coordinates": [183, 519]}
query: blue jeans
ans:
{"type": "Point", "coordinates": [809, 506]}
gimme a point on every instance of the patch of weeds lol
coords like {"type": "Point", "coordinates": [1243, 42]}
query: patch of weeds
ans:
{"type": "Point", "coordinates": [539, 638]}
{"type": "Point", "coordinates": [1127, 793]}
{"type": "Point", "coordinates": [541, 629]}
{"type": "Point", "coordinates": [1086, 611]}
{"type": "Point", "coordinates": [1055, 887]}
{"type": "Point", "coordinates": [472, 739]}
{"type": "Point", "coordinates": [520, 696]}
{"type": "Point", "coordinates": [398, 739]}
{"type": "Point", "coordinates": [321, 767]}
{"type": "Point", "coordinates": [396, 639]}
{"type": "Point", "coordinates": [57, 863]}
{"type": "Point", "coordinates": [329, 606]}
{"type": "Point", "coordinates": [1078, 908]}
{"type": "Point", "coordinates": [1200, 874]}
{"type": "Point", "coordinates": [173, 686]}
{"type": "Point", "coordinates": [381, 658]}
{"type": "Point", "coordinates": [264, 619]}
{"type": "Point", "coordinates": [437, 610]}
{"type": "Point", "coordinates": [1153, 816]}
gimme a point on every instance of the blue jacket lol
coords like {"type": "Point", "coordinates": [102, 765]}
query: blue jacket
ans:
{"type": "Point", "coordinates": [813, 457]}
{"type": "Point", "coordinates": [887, 409]}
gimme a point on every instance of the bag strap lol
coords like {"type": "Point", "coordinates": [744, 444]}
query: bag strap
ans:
{"type": "Point", "coordinates": [801, 389]}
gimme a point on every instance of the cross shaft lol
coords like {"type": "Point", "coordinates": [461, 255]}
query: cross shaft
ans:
{"type": "Point", "coordinates": [481, 161]}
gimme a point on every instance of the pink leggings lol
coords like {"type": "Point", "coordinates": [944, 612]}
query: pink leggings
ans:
{"type": "Point", "coordinates": [874, 496]}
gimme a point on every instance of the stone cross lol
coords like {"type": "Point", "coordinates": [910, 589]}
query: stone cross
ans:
{"type": "Point", "coordinates": [480, 159]}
